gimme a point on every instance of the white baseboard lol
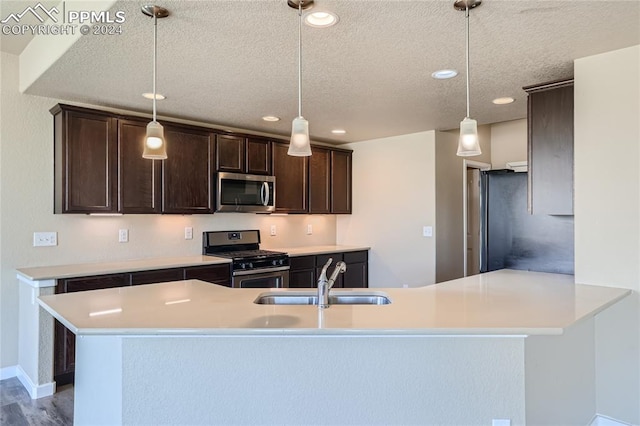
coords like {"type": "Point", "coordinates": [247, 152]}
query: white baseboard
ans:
{"type": "Point", "coordinates": [8, 372]}
{"type": "Point", "coordinates": [35, 391]}
{"type": "Point", "coordinates": [600, 420]}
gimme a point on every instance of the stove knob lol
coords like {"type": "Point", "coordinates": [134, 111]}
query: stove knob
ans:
{"type": "Point", "coordinates": [282, 261]}
{"type": "Point", "coordinates": [250, 265]}
{"type": "Point", "coordinates": [274, 262]}
{"type": "Point", "coordinates": [243, 265]}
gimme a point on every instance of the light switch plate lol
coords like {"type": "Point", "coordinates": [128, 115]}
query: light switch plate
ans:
{"type": "Point", "coordinates": [44, 239]}
{"type": "Point", "coordinates": [427, 231]}
{"type": "Point", "coordinates": [309, 229]}
{"type": "Point", "coordinates": [188, 233]}
{"type": "Point", "coordinates": [273, 230]}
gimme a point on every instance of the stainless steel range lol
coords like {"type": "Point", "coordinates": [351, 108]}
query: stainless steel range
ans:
{"type": "Point", "coordinates": [251, 267]}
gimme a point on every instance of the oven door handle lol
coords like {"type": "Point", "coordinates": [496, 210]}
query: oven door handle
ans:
{"type": "Point", "coordinates": [260, 271]}
{"type": "Point", "coordinates": [264, 193]}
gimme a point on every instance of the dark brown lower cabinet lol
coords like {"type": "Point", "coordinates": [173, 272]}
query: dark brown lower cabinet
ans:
{"type": "Point", "coordinates": [302, 272]}
{"type": "Point", "coordinates": [64, 350]}
{"type": "Point", "coordinates": [357, 273]}
{"type": "Point", "coordinates": [216, 274]}
{"type": "Point", "coordinates": [64, 340]}
{"type": "Point", "coordinates": [322, 260]}
{"type": "Point", "coordinates": [157, 276]}
{"type": "Point", "coordinates": [305, 270]}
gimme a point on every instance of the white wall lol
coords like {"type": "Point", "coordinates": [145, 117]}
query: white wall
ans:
{"type": "Point", "coordinates": [26, 185]}
{"type": "Point", "coordinates": [607, 215]}
{"type": "Point", "coordinates": [393, 198]}
{"type": "Point", "coordinates": [401, 184]}
{"type": "Point", "coordinates": [450, 181]}
{"type": "Point", "coordinates": [508, 143]}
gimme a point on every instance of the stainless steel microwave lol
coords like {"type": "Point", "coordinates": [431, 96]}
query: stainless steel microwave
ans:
{"type": "Point", "coordinates": [237, 192]}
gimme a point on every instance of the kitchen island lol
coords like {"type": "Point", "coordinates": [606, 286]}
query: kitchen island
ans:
{"type": "Point", "coordinates": [504, 345]}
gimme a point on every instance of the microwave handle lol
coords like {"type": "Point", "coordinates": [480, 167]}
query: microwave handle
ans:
{"type": "Point", "coordinates": [264, 193]}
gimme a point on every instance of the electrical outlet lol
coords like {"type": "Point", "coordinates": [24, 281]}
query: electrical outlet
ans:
{"type": "Point", "coordinates": [309, 229]}
{"type": "Point", "coordinates": [188, 233]}
{"type": "Point", "coordinates": [273, 230]}
{"type": "Point", "coordinates": [44, 239]}
{"type": "Point", "coordinates": [427, 231]}
{"type": "Point", "coordinates": [123, 236]}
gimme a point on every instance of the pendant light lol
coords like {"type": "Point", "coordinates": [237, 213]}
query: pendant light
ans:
{"type": "Point", "coordinates": [154, 144]}
{"type": "Point", "coordinates": [468, 144]}
{"type": "Point", "coordinates": [300, 145]}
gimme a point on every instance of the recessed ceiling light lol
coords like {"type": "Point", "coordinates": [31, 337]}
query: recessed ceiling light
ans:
{"type": "Point", "coordinates": [322, 19]}
{"type": "Point", "coordinates": [271, 118]}
{"type": "Point", "coordinates": [444, 74]}
{"type": "Point", "coordinates": [503, 101]}
{"type": "Point", "coordinates": [159, 96]}
{"type": "Point", "coordinates": [339, 131]}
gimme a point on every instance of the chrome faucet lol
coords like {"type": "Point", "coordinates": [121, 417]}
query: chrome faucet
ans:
{"type": "Point", "coordinates": [324, 284]}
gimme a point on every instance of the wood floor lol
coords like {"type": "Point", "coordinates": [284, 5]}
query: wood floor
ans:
{"type": "Point", "coordinates": [18, 409]}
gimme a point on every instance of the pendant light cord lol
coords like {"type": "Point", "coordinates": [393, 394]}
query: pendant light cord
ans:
{"type": "Point", "coordinates": [155, 60]}
{"type": "Point", "coordinates": [300, 58]}
{"type": "Point", "coordinates": [467, 18]}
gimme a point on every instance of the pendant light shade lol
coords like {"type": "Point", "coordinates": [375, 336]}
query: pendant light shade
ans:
{"type": "Point", "coordinates": [155, 147]}
{"type": "Point", "coordinates": [468, 144]}
{"type": "Point", "coordinates": [154, 144]}
{"type": "Point", "coordinates": [300, 145]}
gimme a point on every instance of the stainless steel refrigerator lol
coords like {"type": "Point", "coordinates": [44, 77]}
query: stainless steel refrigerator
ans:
{"type": "Point", "coordinates": [512, 238]}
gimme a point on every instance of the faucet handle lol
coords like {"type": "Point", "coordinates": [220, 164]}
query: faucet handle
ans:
{"type": "Point", "coordinates": [323, 274]}
{"type": "Point", "coordinates": [326, 265]}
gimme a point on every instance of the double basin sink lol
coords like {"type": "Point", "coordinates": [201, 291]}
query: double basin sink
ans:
{"type": "Point", "coordinates": [311, 298]}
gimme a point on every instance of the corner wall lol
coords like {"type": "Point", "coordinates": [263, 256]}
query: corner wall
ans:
{"type": "Point", "coordinates": [26, 184]}
{"type": "Point", "coordinates": [393, 198]}
{"type": "Point", "coordinates": [607, 216]}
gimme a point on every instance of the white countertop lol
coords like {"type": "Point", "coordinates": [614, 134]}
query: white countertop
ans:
{"type": "Point", "coordinates": [89, 269]}
{"type": "Point", "coordinates": [99, 268]}
{"type": "Point", "coordinates": [505, 302]}
{"type": "Point", "coordinates": [314, 250]}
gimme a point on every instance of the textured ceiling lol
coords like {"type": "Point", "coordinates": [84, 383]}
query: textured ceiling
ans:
{"type": "Point", "coordinates": [231, 62]}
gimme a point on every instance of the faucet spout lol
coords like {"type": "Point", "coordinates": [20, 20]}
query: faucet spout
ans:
{"type": "Point", "coordinates": [324, 284]}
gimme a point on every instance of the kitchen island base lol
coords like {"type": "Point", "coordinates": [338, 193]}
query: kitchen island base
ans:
{"type": "Point", "coordinates": [336, 379]}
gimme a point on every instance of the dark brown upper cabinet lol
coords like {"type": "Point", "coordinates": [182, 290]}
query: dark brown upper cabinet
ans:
{"type": "Point", "coordinates": [258, 156]}
{"type": "Point", "coordinates": [85, 161]}
{"type": "Point", "coordinates": [187, 173]}
{"type": "Point", "coordinates": [327, 184]}
{"type": "Point", "coordinates": [238, 154]}
{"type": "Point", "coordinates": [341, 182]}
{"type": "Point", "coordinates": [99, 167]}
{"type": "Point", "coordinates": [550, 128]}
{"type": "Point", "coordinates": [291, 179]}
{"type": "Point", "coordinates": [320, 180]}
{"type": "Point", "coordinates": [140, 179]}
{"type": "Point", "coordinates": [230, 153]}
